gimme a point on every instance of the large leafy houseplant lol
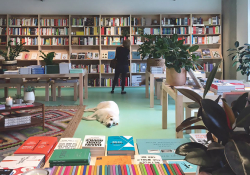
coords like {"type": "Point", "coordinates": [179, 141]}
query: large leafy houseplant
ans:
{"type": "Point", "coordinates": [12, 52]}
{"type": "Point", "coordinates": [48, 58]}
{"type": "Point", "coordinates": [229, 150]}
{"type": "Point", "coordinates": [241, 55]}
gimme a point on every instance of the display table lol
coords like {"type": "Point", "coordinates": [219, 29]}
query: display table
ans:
{"type": "Point", "coordinates": [34, 121]}
{"type": "Point", "coordinates": [179, 107]}
{"type": "Point", "coordinates": [44, 76]}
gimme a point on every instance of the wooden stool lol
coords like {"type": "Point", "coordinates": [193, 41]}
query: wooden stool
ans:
{"type": "Point", "coordinates": [59, 83]}
{"type": "Point", "coordinates": [7, 85]}
{"type": "Point", "coordinates": [39, 83]}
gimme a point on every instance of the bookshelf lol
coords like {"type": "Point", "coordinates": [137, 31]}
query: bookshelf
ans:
{"type": "Point", "coordinates": [94, 36]}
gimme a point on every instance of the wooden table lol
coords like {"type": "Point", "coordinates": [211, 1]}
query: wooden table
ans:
{"type": "Point", "coordinates": [34, 121]}
{"type": "Point", "coordinates": [152, 85]}
{"type": "Point", "coordinates": [43, 76]}
{"type": "Point", "coordinates": [179, 107]}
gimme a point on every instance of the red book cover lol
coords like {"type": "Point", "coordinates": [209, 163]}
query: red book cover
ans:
{"type": "Point", "coordinates": [38, 145]}
{"type": "Point", "coordinates": [102, 31]}
{"type": "Point", "coordinates": [23, 106]}
{"type": "Point", "coordinates": [126, 81]}
{"type": "Point", "coordinates": [213, 30]}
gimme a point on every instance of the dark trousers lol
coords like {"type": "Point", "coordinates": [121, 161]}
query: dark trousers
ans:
{"type": "Point", "coordinates": [120, 70]}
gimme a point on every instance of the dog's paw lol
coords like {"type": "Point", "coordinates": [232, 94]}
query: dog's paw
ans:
{"type": "Point", "coordinates": [84, 118]}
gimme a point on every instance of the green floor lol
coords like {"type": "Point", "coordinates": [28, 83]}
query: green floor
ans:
{"type": "Point", "coordinates": [136, 118]}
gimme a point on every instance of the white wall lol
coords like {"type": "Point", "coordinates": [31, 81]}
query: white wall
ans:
{"type": "Point", "coordinates": [109, 6]}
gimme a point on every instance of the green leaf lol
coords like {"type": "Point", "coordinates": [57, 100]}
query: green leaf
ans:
{"type": "Point", "coordinates": [235, 63]}
{"type": "Point", "coordinates": [195, 127]}
{"type": "Point", "coordinates": [215, 146]}
{"type": "Point", "coordinates": [210, 80]}
{"type": "Point", "coordinates": [189, 121]}
{"type": "Point", "coordinates": [229, 113]}
{"type": "Point", "coordinates": [244, 118]}
{"type": "Point", "coordinates": [190, 94]}
{"type": "Point", "coordinates": [193, 48]}
{"type": "Point", "coordinates": [240, 104]}
{"type": "Point", "coordinates": [236, 44]}
{"type": "Point", "coordinates": [186, 148]}
{"type": "Point", "coordinates": [238, 157]}
{"type": "Point", "coordinates": [234, 57]}
{"type": "Point", "coordinates": [242, 47]}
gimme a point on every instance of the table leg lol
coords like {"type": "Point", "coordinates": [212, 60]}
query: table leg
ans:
{"type": "Point", "coordinates": [86, 86]}
{"type": "Point", "coordinates": [152, 90]}
{"type": "Point", "coordinates": [43, 109]}
{"type": "Point", "coordinates": [188, 115]}
{"type": "Point", "coordinates": [146, 83]}
{"type": "Point", "coordinates": [47, 92]}
{"type": "Point", "coordinates": [179, 114]}
{"type": "Point", "coordinates": [6, 92]}
{"type": "Point", "coordinates": [18, 89]}
{"type": "Point", "coordinates": [164, 109]}
{"type": "Point", "coordinates": [59, 91]}
{"type": "Point", "coordinates": [81, 89]}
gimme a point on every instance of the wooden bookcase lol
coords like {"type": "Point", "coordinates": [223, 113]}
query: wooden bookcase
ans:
{"type": "Point", "coordinates": [88, 33]}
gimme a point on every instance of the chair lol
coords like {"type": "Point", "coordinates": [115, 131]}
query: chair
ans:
{"type": "Point", "coordinates": [59, 83]}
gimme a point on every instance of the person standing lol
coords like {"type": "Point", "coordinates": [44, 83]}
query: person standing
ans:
{"type": "Point", "coordinates": [122, 56]}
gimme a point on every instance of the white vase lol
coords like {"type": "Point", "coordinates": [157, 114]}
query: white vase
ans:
{"type": "Point", "coordinates": [29, 97]}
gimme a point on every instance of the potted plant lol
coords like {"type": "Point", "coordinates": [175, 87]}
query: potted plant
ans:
{"type": "Point", "coordinates": [18, 99]}
{"type": "Point", "coordinates": [29, 96]}
{"type": "Point", "coordinates": [9, 62]}
{"type": "Point", "coordinates": [50, 67]}
{"type": "Point", "coordinates": [149, 50]}
{"type": "Point", "coordinates": [229, 150]}
{"type": "Point", "coordinates": [241, 55]}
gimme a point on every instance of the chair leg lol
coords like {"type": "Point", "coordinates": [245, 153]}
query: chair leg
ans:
{"type": "Point", "coordinates": [188, 115]}
{"type": "Point", "coordinates": [59, 91]}
{"type": "Point", "coordinates": [75, 91]}
{"type": "Point", "coordinates": [6, 92]}
{"type": "Point", "coordinates": [54, 92]}
{"type": "Point", "coordinates": [47, 92]}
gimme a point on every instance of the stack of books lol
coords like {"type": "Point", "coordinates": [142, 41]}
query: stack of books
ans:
{"type": "Point", "coordinates": [37, 70]}
{"type": "Point", "coordinates": [17, 119]}
{"type": "Point", "coordinates": [37, 145]}
{"type": "Point", "coordinates": [96, 144]}
{"type": "Point", "coordinates": [24, 70]}
{"type": "Point", "coordinates": [64, 68]}
{"type": "Point", "coordinates": [121, 145]}
{"type": "Point", "coordinates": [70, 157]}
{"type": "Point", "coordinates": [21, 164]}
{"type": "Point", "coordinates": [11, 72]}
{"type": "Point", "coordinates": [136, 80]}
{"type": "Point", "coordinates": [69, 143]}
{"type": "Point", "coordinates": [74, 71]}
{"type": "Point", "coordinates": [220, 88]}
{"type": "Point", "coordinates": [156, 70]}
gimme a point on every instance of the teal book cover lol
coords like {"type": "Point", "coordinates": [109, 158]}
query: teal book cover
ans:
{"type": "Point", "coordinates": [136, 55]}
{"type": "Point", "coordinates": [163, 147]}
{"type": "Point", "coordinates": [111, 54]}
{"type": "Point", "coordinates": [120, 143]}
{"type": "Point", "coordinates": [185, 166]}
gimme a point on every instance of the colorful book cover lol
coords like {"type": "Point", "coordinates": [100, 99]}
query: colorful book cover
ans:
{"type": "Point", "coordinates": [216, 54]}
{"type": "Point", "coordinates": [69, 143]}
{"type": "Point", "coordinates": [206, 53]}
{"type": "Point", "coordinates": [113, 160]}
{"type": "Point", "coordinates": [163, 147]}
{"type": "Point", "coordinates": [148, 159]}
{"type": "Point", "coordinates": [136, 55]}
{"type": "Point", "coordinates": [200, 138]}
{"type": "Point", "coordinates": [70, 155]}
{"type": "Point", "coordinates": [93, 141]}
{"type": "Point", "coordinates": [184, 165]}
{"type": "Point", "coordinates": [120, 143]}
{"type": "Point", "coordinates": [111, 54]}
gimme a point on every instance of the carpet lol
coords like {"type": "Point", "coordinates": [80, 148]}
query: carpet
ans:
{"type": "Point", "coordinates": [60, 121]}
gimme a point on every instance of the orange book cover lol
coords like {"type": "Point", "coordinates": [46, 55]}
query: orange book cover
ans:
{"type": "Point", "coordinates": [113, 160]}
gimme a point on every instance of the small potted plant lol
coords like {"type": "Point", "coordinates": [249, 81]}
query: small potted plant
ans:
{"type": "Point", "coordinates": [50, 67]}
{"type": "Point", "coordinates": [229, 151]}
{"type": "Point", "coordinates": [29, 96]}
{"type": "Point", "coordinates": [18, 99]}
{"type": "Point", "coordinates": [9, 62]}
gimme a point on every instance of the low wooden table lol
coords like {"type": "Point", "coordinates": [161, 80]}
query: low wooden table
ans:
{"type": "Point", "coordinates": [34, 121]}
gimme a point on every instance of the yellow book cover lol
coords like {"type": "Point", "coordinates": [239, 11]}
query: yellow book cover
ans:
{"type": "Point", "coordinates": [113, 160]}
{"type": "Point", "coordinates": [79, 32]}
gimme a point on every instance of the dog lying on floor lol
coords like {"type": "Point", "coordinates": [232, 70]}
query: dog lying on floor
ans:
{"type": "Point", "coordinates": [106, 112]}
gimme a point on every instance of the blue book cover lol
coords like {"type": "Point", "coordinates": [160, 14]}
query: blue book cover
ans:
{"type": "Point", "coordinates": [136, 55]}
{"type": "Point", "coordinates": [163, 147]}
{"type": "Point", "coordinates": [111, 54]}
{"type": "Point", "coordinates": [120, 143]}
{"type": "Point", "coordinates": [185, 166]}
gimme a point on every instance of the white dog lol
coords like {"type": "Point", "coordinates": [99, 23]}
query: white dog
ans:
{"type": "Point", "coordinates": [106, 112]}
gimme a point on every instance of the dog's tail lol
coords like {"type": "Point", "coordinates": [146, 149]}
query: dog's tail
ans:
{"type": "Point", "coordinates": [88, 119]}
{"type": "Point", "coordinates": [90, 110]}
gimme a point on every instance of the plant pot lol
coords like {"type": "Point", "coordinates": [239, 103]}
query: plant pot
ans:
{"type": "Point", "coordinates": [52, 69]}
{"type": "Point", "coordinates": [29, 97]}
{"type": "Point", "coordinates": [174, 78]}
{"type": "Point", "coordinates": [9, 65]}
{"type": "Point", "coordinates": [155, 62]}
{"type": "Point", "coordinates": [18, 101]}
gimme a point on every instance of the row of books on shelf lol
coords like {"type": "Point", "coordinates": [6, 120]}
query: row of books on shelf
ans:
{"type": "Point", "coordinates": [85, 21]}
{"type": "Point", "coordinates": [3, 22]}
{"type": "Point", "coordinates": [84, 55]}
{"type": "Point", "coordinates": [117, 40]}
{"type": "Point", "coordinates": [54, 31]}
{"type": "Point", "coordinates": [23, 22]}
{"type": "Point", "coordinates": [138, 67]}
{"type": "Point", "coordinates": [207, 53]}
{"type": "Point", "coordinates": [106, 82]}
{"type": "Point", "coordinates": [136, 40]}
{"type": "Point", "coordinates": [208, 67]}
{"type": "Point", "coordinates": [87, 31]}
{"type": "Point", "coordinates": [110, 21]}
{"type": "Point", "coordinates": [205, 39]}
{"type": "Point", "coordinates": [175, 21]}
{"type": "Point", "coordinates": [176, 30]}
{"type": "Point", "coordinates": [103, 68]}
{"type": "Point", "coordinates": [111, 31]}
{"type": "Point", "coordinates": [152, 31]}
{"type": "Point", "coordinates": [141, 21]}
{"type": "Point", "coordinates": [27, 40]}
{"type": "Point", "coordinates": [2, 31]}
{"type": "Point", "coordinates": [54, 22]}
{"type": "Point", "coordinates": [215, 20]}
{"type": "Point", "coordinates": [85, 40]}
{"type": "Point", "coordinates": [55, 41]}
{"type": "Point", "coordinates": [23, 31]}
{"type": "Point", "coordinates": [206, 30]}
